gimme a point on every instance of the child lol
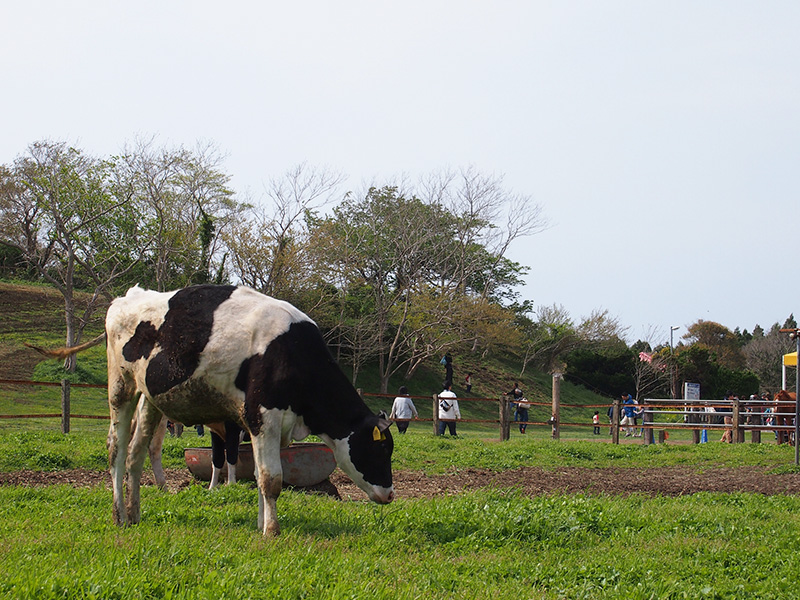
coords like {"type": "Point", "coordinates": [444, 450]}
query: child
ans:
{"type": "Point", "coordinates": [596, 422]}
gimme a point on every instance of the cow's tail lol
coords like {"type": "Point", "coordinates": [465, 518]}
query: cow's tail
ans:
{"type": "Point", "coordinates": [65, 352]}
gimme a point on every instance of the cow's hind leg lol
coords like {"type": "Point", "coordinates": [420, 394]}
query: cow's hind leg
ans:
{"type": "Point", "coordinates": [148, 418]}
{"type": "Point", "coordinates": [155, 449]}
{"type": "Point", "coordinates": [121, 407]}
{"type": "Point", "coordinates": [269, 474]}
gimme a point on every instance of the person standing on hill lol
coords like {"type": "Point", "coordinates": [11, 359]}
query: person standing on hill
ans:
{"type": "Point", "coordinates": [403, 410]}
{"type": "Point", "coordinates": [448, 369]}
{"type": "Point", "coordinates": [448, 410]}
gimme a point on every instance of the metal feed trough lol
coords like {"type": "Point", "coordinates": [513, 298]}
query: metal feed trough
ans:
{"type": "Point", "coordinates": [303, 464]}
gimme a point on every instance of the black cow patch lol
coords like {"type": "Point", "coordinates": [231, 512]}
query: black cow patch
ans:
{"type": "Point", "coordinates": [142, 343]}
{"type": "Point", "coordinates": [297, 372]}
{"type": "Point", "coordinates": [181, 338]}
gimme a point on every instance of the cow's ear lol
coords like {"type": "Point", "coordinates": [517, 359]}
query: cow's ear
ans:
{"type": "Point", "coordinates": [379, 431]}
{"type": "Point", "coordinates": [383, 422]}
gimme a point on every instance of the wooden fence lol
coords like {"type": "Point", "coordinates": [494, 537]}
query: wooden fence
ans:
{"type": "Point", "coordinates": [657, 415]}
{"type": "Point", "coordinates": [65, 413]}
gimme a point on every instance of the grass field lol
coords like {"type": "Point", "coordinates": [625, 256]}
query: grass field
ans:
{"type": "Point", "coordinates": [59, 542]}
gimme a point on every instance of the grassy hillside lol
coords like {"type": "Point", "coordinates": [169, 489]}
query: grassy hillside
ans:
{"type": "Point", "coordinates": [35, 314]}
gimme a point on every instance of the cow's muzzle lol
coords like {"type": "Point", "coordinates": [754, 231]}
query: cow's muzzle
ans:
{"type": "Point", "coordinates": [382, 495]}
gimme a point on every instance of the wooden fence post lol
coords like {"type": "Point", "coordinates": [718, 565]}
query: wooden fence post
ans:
{"type": "Point", "coordinates": [556, 406]}
{"type": "Point", "coordinates": [615, 423]}
{"type": "Point", "coordinates": [647, 433]}
{"type": "Point", "coordinates": [756, 419]}
{"type": "Point", "coordinates": [505, 419]}
{"type": "Point", "coordinates": [64, 406]}
{"type": "Point", "coordinates": [694, 419]}
{"type": "Point", "coordinates": [735, 425]}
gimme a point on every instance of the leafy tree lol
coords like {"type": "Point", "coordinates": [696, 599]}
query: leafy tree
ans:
{"type": "Point", "coordinates": [698, 364]}
{"type": "Point", "coordinates": [61, 213]}
{"type": "Point", "coordinates": [718, 339]}
{"type": "Point", "coordinates": [547, 338]}
{"type": "Point", "coordinates": [423, 267]}
{"type": "Point", "coordinates": [607, 370]}
{"type": "Point", "coordinates": [369, 244]}
{"type": "Point", "coordinates": [743, 336]}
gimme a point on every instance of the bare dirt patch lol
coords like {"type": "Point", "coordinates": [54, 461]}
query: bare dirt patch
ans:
{"type": "Point", "coordinates": [666, 481]}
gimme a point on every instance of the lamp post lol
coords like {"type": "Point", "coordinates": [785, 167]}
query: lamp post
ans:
{"type": "Point", "coordinates": [672, 329]}
{"type": "Point", "coordinates": [795, 335]}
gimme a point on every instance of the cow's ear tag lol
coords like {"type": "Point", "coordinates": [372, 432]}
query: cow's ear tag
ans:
{"type": "Point", "coordinates": [378, 435]}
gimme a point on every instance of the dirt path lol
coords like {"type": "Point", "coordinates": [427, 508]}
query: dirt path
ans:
{"type": "Point", "coordinates": [667, 481]}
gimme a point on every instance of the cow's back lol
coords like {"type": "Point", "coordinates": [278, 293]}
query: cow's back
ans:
{"type": "Point", "coordinates": [184, 349]}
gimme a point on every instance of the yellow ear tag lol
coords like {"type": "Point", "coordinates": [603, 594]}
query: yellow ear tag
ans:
{"type": "Point", "coordinates": [378, 435]}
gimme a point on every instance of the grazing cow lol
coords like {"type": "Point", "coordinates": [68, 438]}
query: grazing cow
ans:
{"type": "Point", "coordinates": [209, 354]}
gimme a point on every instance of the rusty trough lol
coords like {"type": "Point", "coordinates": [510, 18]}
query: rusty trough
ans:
{"type": "Point", "coordinates": [304, 464]}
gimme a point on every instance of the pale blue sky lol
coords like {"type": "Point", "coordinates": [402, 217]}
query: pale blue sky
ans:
{"type": "Point", "coordinates": [662, 139]}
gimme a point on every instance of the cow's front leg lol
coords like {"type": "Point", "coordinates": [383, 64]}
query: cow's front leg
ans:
{"type": "Point", "coordinates": [148, 417]}
{"type": "Point", "coordinates": [269, 475]}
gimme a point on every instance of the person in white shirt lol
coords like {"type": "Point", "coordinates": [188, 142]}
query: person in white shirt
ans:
{"type": "Point", "coordinates": [403, 410]}
{"type": "Point", "coordinates": [448, 410]}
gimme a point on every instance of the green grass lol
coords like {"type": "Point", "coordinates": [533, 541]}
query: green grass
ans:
{"type": "Point", "coordinates": [58, 543]}
{"type": "Point", "coordinates": [418, 450]}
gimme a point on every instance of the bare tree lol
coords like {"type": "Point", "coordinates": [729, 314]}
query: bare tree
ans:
{"type": "Point", "coordinates": [487, 215]}
{"type": "Point", "coordinates": [488, 219]}
{"type": "Point", "coordinates": [765, 354]}
{"type": "Point", "coordinates": [187, 205]}
{"type": "Point", "coordinates": [268, 245]}
{"type": "Point", "coordinates": [652, 367]}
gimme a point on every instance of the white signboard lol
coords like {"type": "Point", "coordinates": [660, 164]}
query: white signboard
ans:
{"type": "Point", "coordinates": [691, 391]}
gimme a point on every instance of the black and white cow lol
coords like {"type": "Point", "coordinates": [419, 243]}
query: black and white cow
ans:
{"type": "Point", "coordinates": [207, 354]}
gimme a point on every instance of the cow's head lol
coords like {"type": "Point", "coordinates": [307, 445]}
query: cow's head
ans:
{"type": "Point", "coordinates": [366, 456]}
